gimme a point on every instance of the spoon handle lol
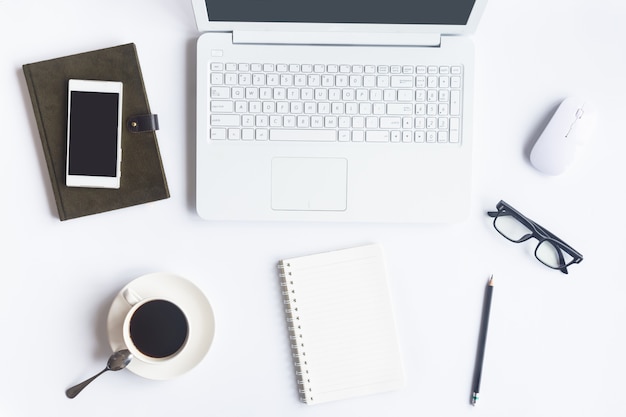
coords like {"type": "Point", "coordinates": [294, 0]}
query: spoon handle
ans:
{"type": "Point", "coordinates": [73, 391]}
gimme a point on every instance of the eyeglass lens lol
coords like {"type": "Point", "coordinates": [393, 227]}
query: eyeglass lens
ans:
{"type": "Point", "coordinates": [552, 256]}
{"type": "Point", "coordinates": [511, 228]}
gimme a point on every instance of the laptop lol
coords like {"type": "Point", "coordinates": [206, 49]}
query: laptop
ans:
{"type": "Point", "coordinates": [335, 111]}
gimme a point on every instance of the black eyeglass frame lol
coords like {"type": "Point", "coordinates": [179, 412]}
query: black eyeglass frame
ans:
{"type": "Point", "coordinates": [538, 232]}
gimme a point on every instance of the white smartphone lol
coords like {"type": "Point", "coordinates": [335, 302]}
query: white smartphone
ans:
{"type": "Point", "coordinates": [94, 134]}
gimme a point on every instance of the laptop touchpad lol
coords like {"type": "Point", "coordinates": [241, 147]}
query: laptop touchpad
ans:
{"type": "Point", "coordinates": [316, 184]}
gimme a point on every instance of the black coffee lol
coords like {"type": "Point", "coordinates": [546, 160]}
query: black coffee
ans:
{"type": "Point", "coordinates": [158, 328]}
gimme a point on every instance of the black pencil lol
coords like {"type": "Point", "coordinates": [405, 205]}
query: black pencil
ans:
{"type": "Point", "coordinates": [482, 339]}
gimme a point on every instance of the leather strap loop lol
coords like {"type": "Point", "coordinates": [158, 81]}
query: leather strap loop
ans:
{"type": "Point", "coordinates": [143, 123]}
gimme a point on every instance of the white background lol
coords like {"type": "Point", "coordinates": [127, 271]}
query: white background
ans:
{"type": "Point", "coordinates": [556, 344]}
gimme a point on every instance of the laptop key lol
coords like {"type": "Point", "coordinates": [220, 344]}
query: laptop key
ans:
{"type": "Point", "coordinates": [377, 136]}
{"type": "Point", "coordinates": [218, 134]}
{"type": "Point", "coordinates": [303, 135]}
{"type": "Point", "coordinates": [224, 120]}
{"type": "Point", "coordinates": [222, 106]}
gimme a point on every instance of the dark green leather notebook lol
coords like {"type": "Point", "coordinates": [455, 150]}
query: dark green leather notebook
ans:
{"type": "Point", "coordinates": [143, 178]}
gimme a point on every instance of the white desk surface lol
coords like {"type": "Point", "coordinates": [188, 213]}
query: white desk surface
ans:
{"type": "Point", "coordinates": [556, 342]}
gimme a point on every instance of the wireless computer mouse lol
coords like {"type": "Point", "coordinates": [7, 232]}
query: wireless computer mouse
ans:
{"type": "Point", "coordinates": [571, 127]}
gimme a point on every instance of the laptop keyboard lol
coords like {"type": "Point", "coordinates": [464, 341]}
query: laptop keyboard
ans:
{"type": "Point", "coordinates": [335, 103]}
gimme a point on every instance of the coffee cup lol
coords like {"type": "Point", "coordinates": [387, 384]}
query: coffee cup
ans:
{"type": "Point", "coordinates": [154, 329]}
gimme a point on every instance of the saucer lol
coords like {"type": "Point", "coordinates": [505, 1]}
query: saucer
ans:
{"type": "Point", "coordinates": [199, 316]}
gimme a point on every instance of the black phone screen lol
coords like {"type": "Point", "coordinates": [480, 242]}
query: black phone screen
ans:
{"type": "Point", "coordinates": [93, 134]}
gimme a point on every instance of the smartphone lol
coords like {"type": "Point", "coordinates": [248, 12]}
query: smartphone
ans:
{"type": "Point", "coordinates": [94, 134]}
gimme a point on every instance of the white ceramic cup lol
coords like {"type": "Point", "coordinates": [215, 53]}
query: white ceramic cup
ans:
{"type": "Point", "coordinates": [154, 329]}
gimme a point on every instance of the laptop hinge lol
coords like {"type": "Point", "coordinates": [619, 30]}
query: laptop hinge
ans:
{"type": "Point", "coordinates": [336, 38]}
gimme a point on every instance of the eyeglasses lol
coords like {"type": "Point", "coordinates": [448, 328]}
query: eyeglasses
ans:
{"type": "Point", "coordinates": [551, 251]}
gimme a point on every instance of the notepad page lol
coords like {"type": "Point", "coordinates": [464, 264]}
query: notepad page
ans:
{"type": "Point", "coordinates": [343, 329]}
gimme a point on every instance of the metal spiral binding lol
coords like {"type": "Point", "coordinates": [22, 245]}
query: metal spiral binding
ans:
{"type": "Point", "coordinates": [299, 364]}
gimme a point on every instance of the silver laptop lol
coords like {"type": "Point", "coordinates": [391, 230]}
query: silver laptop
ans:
{"type": "Point", "coordinates": [342, 110]}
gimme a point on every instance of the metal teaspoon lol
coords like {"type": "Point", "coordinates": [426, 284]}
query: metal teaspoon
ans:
{"type": "Point", "coordinates": [118, 360]}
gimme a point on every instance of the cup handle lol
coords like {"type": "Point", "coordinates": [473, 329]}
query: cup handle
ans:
{"type": "Point", "coordinates": [131, 296]}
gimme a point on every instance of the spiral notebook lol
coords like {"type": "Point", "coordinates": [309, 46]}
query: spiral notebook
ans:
{"type": "Point", "coordinates": [341, 324]}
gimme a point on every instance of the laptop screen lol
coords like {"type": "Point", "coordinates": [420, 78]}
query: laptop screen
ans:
{"type": "Point", "coordinates": [410, 12]}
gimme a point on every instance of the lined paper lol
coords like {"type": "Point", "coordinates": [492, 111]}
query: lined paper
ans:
{"type": "Point", "coordinates": [343, 329]}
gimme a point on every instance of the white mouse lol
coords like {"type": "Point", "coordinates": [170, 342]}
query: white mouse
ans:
{"type": "Point", "coordinates": [572, 126]}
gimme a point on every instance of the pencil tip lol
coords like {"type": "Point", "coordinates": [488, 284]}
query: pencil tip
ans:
{"type": "Point", "coordinates": [491, 280]}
